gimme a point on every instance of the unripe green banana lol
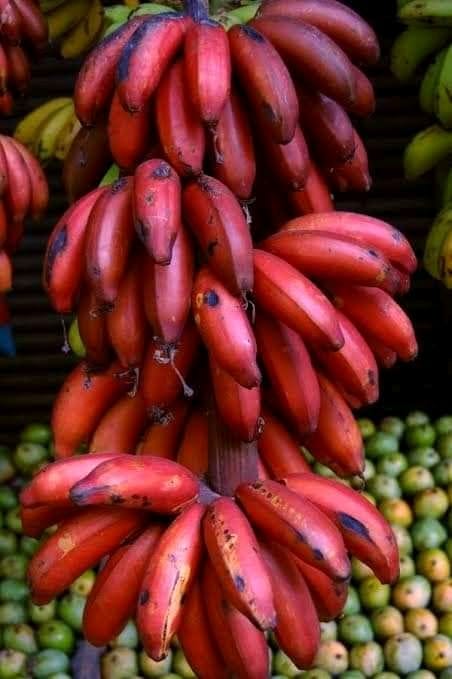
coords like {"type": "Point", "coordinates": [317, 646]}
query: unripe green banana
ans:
{"type": "Point", "coordinates": [150, 8]}
{"type": "Point", "coordinates": [240, 15]}
{"type": "Point", "coordinates": [432, 12]}
{"type": "Point", "coordinates": [117, 13]}
{"type": "Point", "coordinates": [413, 46]}
{"type": "Point", "coordinates": [429, 85]}
{"type": "Point", "coordinates": [444, 91]}
{"type": "Point", "coordinates": [445, 264]}
{"type": "Point", "coordinates": [441, 227]}
{"type": "Point", "coordinates": [426, 150]}
{"type": "Point", "coordinates": [110, 176]}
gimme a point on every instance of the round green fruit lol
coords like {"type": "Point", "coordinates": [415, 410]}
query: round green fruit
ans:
{"type": "Point", "coordinates": [359, 570]}
{"type": "Point", "coordinates": [8, 542]}
{"type": "Point", "coordinates": [39, 614]}
{"type": "Point", "coordinates": [328, 631]}
{"type": "Point", "coordinates": [392, 425]}
{"type": "Point", "coordinates": [434, 564]}
{"type": "Point", "coordinates": [8, 498]}
{"type": "Point", "coordinates": [14, 566]}
{"type": "Point", "coordinates": [366, 427]}
{"type": "Point", "coordinates": [414, 479]}
{"type": "Point", "coordinates": [152, 668]}
{"type": "Point", "coordinates": [413, 592]}
{"type": "Point", "coordinates": [119, 663]}
{"type": "Point", "coordinates": [387, 622]}
{"type": "Point", "coordinates": [442, 596]}
{"type": "Point", "coordinates": [332, 657]}
{"type": "Point", "coordinates": [442, 473]}
{"type": "Point", "coordinates": [181, 666]}
{"type": "Point", "coordinates": [403, 653]}
{"type": "Point", "coordinates": [407, 566]}
{"type": "Point", "coordinates": [380, 444]}
{"type": "Point", "coordinates": [355, 629]}
{"type": "Point", "coordinates": [37, 433]}
{"type": "Point", "coordinates": [383, 487]}
{"type": "Point", "coordinates": [444, 446]}
{"type": "Point", "coordinates": [12, 613]}
{"type": "Point", "coordinates": [28, 456]}
{"type": "Point", "coordinates": [396, 511]}
{"type": "Point", "coordinates": [433, 502]}
{"type": "Point", "coordinates": [282, 664]}
{"type": "Point", "coordinates": [445, 624]}
{"type": "Point", "coordinates": [13, 590]}
{"type": "Point", "coordinates": [424, 457]}
{"type": "Point", "coordinates": [128, 637]}
{"type": "Point", "coordinates": [416, 418]}
{"type": "Point", "coordinates": [84, 583]}
{"type": "Point", "coordinates": [367, 658]}
{"type": "Point", "coordinates": [352, 605]}
{"type": "Point", "coordinates": [56, 634]}
{"type": "Point", "coordinates": [438, 653]}
{"type": "Point", "coordinates": [427, 534]}
{"type": "Point", "coordinates": [403, 539]}
{"type": "Point", "coordinates": [70, 610]}
{"type": "Point", "coordinates": [373, 594]}
{"type": "Point", "coordinates": [420, 674]}
{"type": "Point", "coordinates": [443, 425]}
{"type": "Point", "coordinates": [12, 664]}
{"type": "Point", "coordinates": [421, 622]}
{"type": "Point", "coordinates": [48, 662]}
{"type": "Point", "coordinates": [7, 470]}
{"type": "Point", "coordinates": [20, 638]}
{"type": "Point", "coordinates": [13, 521]}
{"type": "Point", "coordinates": [392, 465]}
{"type": "Point", "coordinates": [420, 435]}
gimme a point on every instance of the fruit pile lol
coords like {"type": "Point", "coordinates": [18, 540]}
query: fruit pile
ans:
{"type": "Point", "coordinates": [23, 193]}
{"type": "Point", "coordinates": [220, 332]}
{"type": "Point", "coordinates": [427, 42]}
{"type": "Point", "coordinates": [383, 632]}
{"type": "Point", "coordinates": [22, 27]}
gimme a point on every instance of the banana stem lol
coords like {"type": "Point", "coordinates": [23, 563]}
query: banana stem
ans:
{"type": "Point", "coordinates": [231, 462]}
{"type": "Point", "coordinates": [197, 9]}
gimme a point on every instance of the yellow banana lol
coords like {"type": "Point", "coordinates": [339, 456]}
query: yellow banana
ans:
{"type": "Point", "coordinates": [66, 136]}
{"type": "Point", "coordinates": [445, 264]}
{"type": "Point", "coordinates": [84, 34]}
{"type": "Point", "coordinates": [435, 239]}
{"type": "Point", "coordinates": [65, 17]}
{"type": "Point", "coordinates": [46, 141]}
{"type": "Point", "coordinates": [426, 150]}
{"type": "Point", "coordinates": [27, 129]}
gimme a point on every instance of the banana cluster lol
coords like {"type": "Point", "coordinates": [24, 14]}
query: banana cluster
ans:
{"type": "Point", "coordinates": [427, 43]}
{"type": "Point", "coordinates": [48, 131]}
{"type": "Point", "coordinates": [74, 25]}
{"type": "Point", "coordinates": [22, 28]}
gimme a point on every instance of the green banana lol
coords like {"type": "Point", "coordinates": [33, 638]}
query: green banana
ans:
{"type": "Point", "coordinates": [47, 136]}
{"type": "Point", "coordinates": [27, 129]}
{"type": "Point", "coordinates": [441, 227]}
{"type": "Point", "coordinates": [413, 46]}
{"type": "Point", "coordinates": [110, 176]}
{"type": "Point", "coordinates": [150, 8]}
{"type": "Point", "coordinates": [116, 14]}
{"type": "Point", "coordinates": [402, 3]}
{"type": "Point", "coordinates": [428, 91]}
{"type": "Point", "coordinates": [49, 5]}
{"type": "Point", "coordinates": [426, 150]}
{"type": "Point", "coordinates": [432, 12]}
{"type": "Point", "coordinates": [444, 91]}
{"type": "Point", "coordinates": [78, 41]}
{"type": "Point", "coordinates": [240, 15]}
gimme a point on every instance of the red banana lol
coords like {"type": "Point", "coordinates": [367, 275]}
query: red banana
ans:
{"type": "Point", "coordinates": [126, 322]}
{"type": "Point", "coordinates": [80, 404]}
{"type": "Point", "coordinates": [120, 428]}
{"type": "Point", "coordinates": [336, 19]}
{"type": "Point", "coordinates": [157, 208]}
{"type": "Point", "coordinates": [378, 317]}
{"type": "Point", "coordinates": [145, 57]}
{"type": "Point", "coordinates": [128, 134]}
{"type": "Point", "coordinates": [171, 571]}
{"type": "Point", "coordinates": [3, 167]}
{"type": "Point", "coordinates": [114, 597]}
{"type": "Point", "coordinates": [109, 240]}
{"type": "Point", "coordinates": [239, 408]}
{"type": "Point", "coordinates": [329, 596]}
{"type": "Point", "coordinates": [180, 131]}
{"type": "Point", "coordinates": [38, 182]}
{"type": "Point", "coordinates": [289, 163]}
{"type": "Point", "coordinates": [92, 327]}
{"type": "Point", "coordinates": [366, 230]}
{"type": "Point", "coordinates": [290, 371]}
{"type": "Point", "coordinates": [337, 442]}
{"type": "Point", "coordinates": [87, 161]}
{"type": "Point", "coordinates": [137, 482]}
{"type": "Point", "coordinates": [6, 272]}
{"type": "Point", "coordinates": [6, 103]}
{"type": "Point", "coordinates": [294, 300]}
{"type": "Point", "coordinates": [243, 647]}
{"type": "Point", "coordinates": [17, 194]}
{"type": "Point", "coordinates": [165, 368]}
{"type": "Point", "coordinates": [353, 175]}
{"type": "Point", "coordinates": [327, 127]}
{"type": "Point", "coordinates": [266, 81]}
{"type": "Point", "coordinates": [193, 452]}
{"type": "Point", "coordinates": [162, 438]}
{"type": "Point", "coordinates": [295, 523]}
{"type": "Point", "coordinates": [207, 67]}
{"type": "Point", "coordinates": [326, 255]}
{"type": "Point", "coordinates": [235, 555]}
{"type": "Point", "coordinates": [315, 195]}
{"type": "Point", "coordinates": [63, 263]}
{"type": "Point", "coordinates": [167, 290]}
{"type": "Point", "coordinates": [3, 224]}
{"type": "Point", "coordinates": [312, 55]}
{"type": "Point", "coordinates": [19, 70]}
{"type": "Point", "coordinates": [297, 630]}
{"type": "Point", "coordinates": [96, 79]}
{"type": "Point", "coordinates": [233, 161]}
{"type": "Point", "coordinates": [196, 639]}
{"type": "Point", "coordinates": [225, 329]}
{"type": "Point", "coordinates": [353, 367]}
{"type": "Point", "coordinates": [51, 485]}
{"type": "Point", "coordinates": [278, 449]}
{"type": "Point", "coordinates": [366, 533]}
{"type": "Point", "coordinates": [36, 520]}
{"type": "Point", "coordinates": [32, 23]}
{"type": "Point", "coordinates": [78, 544]}
{"type": "Point", "coordinates": [364, 104]}
{"type": "Point", "coordinates": [218, 223]}
{"type": "Point", "coordinates": [10, 21]}
{"type": "Point", "coordinates": [385, 357]}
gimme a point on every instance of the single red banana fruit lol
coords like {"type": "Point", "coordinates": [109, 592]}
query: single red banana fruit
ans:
{"type": "Point", "coordinates": [353, 175]}
{"type": "Point", "coordinates": [218, 223]}
{"type": "Point", "coordinates": [171, 571]}
{"type": "Point", "coordinates": [279, 449]}
{"type": "Point", "coordinates": [120, 428]}
{"type": "Point", "coordinates": [193, 451]}
{"type": "Point", "coordinates": [36, 520]}
{"type": "Point", "coordinates": [289, 163]}
{"type": "Point", "coordinates": [225, 329]}
{"type": "Point", "coordinates": [315, 195]}
{"type": "Point", "coordinates": [162, 438]}
{"type": "Point", "coordinates": [294, 300]}
{"type": "Point", "coordinates": [92, 327]}
{"type": "Point", "coordinates": [328, 595]}
{"type": "Point", "coordinates": [128, 134]}
{"type": "Point", "coordinates": [17, 193]}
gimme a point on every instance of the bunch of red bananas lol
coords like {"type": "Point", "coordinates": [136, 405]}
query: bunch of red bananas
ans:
{"type": "Point", "coordinates": [23, 192]}
{"type": "Point", "coordinates": [22, 25]}
{"type": "Point", "coordinates": [274, 556]}
{"type": "Point", "coordinates": [221, 336]}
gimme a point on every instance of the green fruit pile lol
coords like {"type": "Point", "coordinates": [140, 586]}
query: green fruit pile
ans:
{"type": "Point", "coordinates": [384, 632]}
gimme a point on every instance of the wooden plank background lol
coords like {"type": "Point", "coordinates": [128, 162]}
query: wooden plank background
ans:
{"type": "Point", "coordinates": [29, 382]}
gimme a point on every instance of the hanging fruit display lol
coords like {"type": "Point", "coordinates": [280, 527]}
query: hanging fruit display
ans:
{"type": "Point", "coordinates": [22, 27]}
{"type": "Point", "coordinates": [229, 315]}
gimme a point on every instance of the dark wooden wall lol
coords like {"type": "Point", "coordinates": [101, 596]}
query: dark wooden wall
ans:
{"type": "Point", "coordinates": [29, 381]}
